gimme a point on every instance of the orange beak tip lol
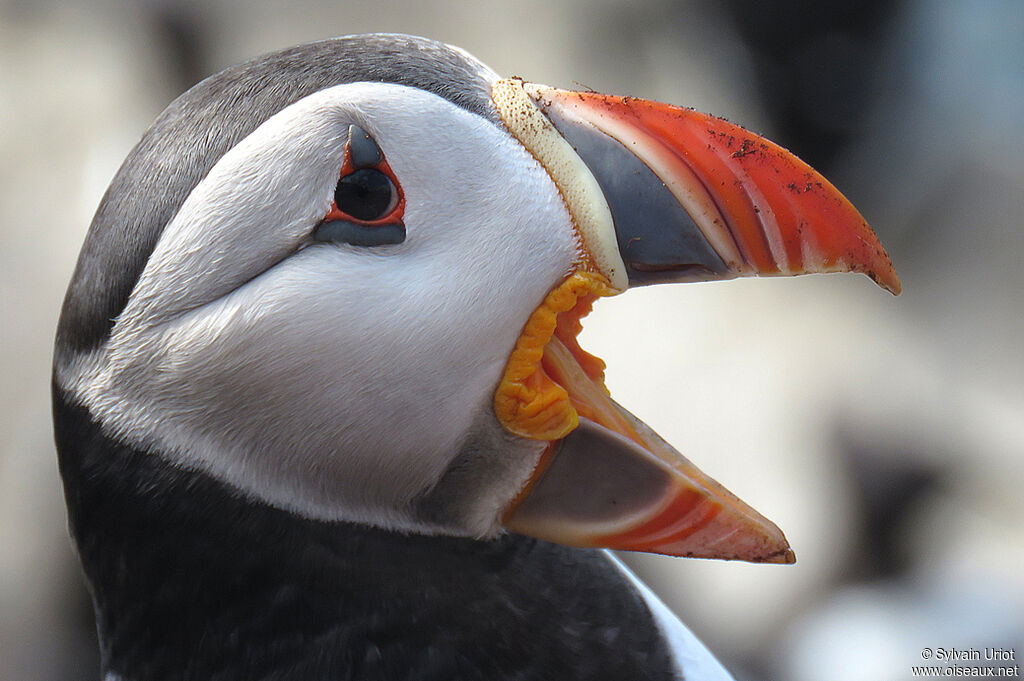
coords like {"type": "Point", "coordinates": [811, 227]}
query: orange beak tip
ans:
{"type": "Point", "coordinates": [787, 557]}
{"type": "Point", "coordinates": [887, 279]}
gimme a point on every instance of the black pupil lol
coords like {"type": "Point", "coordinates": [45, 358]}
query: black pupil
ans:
{"type": "Point", "coordinates": [365, 194]}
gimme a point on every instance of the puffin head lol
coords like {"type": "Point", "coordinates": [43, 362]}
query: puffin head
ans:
{"type": "Point", "coordinates": [346, 280]}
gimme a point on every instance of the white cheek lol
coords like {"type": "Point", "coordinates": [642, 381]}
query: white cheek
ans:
{"type": "Point", "coordinates": [320, 386]}
{"type": "Point", "coordinates": [325, 377]}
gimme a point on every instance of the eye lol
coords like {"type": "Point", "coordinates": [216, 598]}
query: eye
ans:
{"type": "Point", "coordinates": [367, 194]}
{"type": "Point", "coordinates": [368, 204]}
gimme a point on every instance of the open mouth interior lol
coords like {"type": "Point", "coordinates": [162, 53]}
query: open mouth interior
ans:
{"type": "Point", "coordinates": [550, 384]}
{"type": "Point", "coordinates": [550, 381]}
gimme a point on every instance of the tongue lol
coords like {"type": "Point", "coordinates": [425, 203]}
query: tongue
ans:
{"type": "Point", "coordinates": [588, 396]}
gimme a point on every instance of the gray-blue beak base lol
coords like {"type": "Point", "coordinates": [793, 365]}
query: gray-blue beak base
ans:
{"type": "Point", "coordinates": [658, 240]}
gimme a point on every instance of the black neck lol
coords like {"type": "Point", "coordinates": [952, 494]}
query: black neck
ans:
{"type": "Point", "coordinates": [192, 580]}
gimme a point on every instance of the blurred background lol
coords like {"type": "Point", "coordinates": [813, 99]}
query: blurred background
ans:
{"type": "Point", "coordinates": [884, 435]}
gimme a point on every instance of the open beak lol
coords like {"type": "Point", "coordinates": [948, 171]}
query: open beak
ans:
{"type": "Point", "coordinates": [658, 194]}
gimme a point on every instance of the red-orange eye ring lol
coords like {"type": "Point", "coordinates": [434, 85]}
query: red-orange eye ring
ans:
{"type": "Point", "coordinates": [368, 204]}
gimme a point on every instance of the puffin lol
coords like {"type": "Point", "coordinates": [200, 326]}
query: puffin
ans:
{"type": "Point", "coordinates": [319, 403]}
